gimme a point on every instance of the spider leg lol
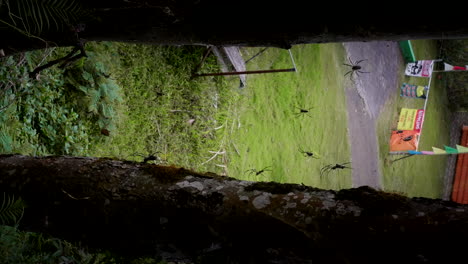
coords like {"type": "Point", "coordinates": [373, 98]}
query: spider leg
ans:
{"type": "Point", "coordinates": [349, 58]}
{"type": "Point", "coordinates": [303, 152]}
{"type": "Point", "coordinates": [324, 169]}
{"type": "Point", "coordinates": [363, 72]}
{"type": "Point", "coordinates": [360, 61]}
{"type": "Point", "coordinates": [303, 114]}
{"type": "Point", "coordinates": [349, 72]}
{"type": "Point", "coordinates": [321, 174]}
{"type": "Point", "coordinates": [304, 109]}
{"type": "Point", "coordinates": [346, 167]}
{"type": "Point", "coordinates": [348, 65]}
{"type": "Point", "coordinates": [250, 171]}
{"type": "Point", "coordinates": [326, 172]}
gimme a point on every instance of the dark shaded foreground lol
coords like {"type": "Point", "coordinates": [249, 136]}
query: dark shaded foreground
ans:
{"type": "Point", "coordinates": [210, 22]}
{"type": "Point", "coordinates": [181, 215]}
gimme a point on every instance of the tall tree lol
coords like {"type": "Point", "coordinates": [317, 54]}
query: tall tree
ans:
{"type": "Point", "coordinates": [32, 24]}
{"type": "Point", "coordinates": [182, 215]}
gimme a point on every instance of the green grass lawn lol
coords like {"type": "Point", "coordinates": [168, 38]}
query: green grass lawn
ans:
{"type": "Point", "coordinates": [270, 133]}
{"type": "Point", "coordinates": [417, 175]}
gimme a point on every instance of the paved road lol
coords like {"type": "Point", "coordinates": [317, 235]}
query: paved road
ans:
{"type": "Point", "coordinates": [366, 94]}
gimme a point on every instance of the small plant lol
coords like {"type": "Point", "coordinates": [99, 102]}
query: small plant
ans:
{"type": "Point", "coordinates": [95, 90]}
{"type": "Point", "coordinates": [31, 248]}
{"type": "Point", "coordinates": [62, 112]}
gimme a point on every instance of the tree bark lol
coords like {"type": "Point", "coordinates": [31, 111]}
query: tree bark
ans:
{"type": "Point", "coordinates": [181, 215]}
{"type": "Point", "coordinates": [210, 22]}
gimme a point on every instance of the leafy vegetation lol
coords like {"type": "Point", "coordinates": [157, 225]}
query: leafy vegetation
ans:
{"type": "Point", "coordinates": [18, 246]}
{"type": "Point", "coordinates": [83, 110]}
{"type": "Point", "coordinates": [30, 248]}
{"type": "Point", "coordinates": [164, 110]}
{"type": "Point", "coordinates": [57, 114]}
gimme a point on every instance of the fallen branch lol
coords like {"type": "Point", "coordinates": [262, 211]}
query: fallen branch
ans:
{"type": "Point", "coordinates": [66, 60]}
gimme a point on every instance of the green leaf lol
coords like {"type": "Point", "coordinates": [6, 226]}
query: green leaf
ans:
{"type": "Point", "coordinates": [82, 88]}
{"type": "Point", "coordinates": [88, 76]}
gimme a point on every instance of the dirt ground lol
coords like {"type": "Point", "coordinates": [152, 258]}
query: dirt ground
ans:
{"type": "Point", "coordinates": [366, 94]}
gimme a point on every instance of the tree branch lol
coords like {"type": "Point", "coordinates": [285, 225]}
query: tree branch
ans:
{"type": "Point", "coordinates": [66, 60]}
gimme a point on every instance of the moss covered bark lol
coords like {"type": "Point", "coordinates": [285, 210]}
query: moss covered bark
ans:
{"type": "Point", "coordinates": [175, 213]}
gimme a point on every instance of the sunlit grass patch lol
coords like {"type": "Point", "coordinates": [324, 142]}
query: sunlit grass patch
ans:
{"type": "Point", "coordinates": [272, 130]}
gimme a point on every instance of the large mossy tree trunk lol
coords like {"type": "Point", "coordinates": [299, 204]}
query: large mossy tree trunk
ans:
{"type": "Point", "coordinates": [178, 214]}
{"type": "Point", "coordinates": [211, 22]}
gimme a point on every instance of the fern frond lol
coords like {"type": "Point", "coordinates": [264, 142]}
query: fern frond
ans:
{"type": "Point", "coordinates": [106, 110]}
{"type": "Point", "coordinates": [23, 14]}
{"type": "Point", "coordinates": [35, 16]}
{"type": "Point", "coordinates": [92, 101]}
{"type": "Point", "coordinates": [11, 210]}
{"type": "Point", "coordinates": [95, 96]}
{"type": "Point", "coordinates": [5, 142]}
{"type": "Point", "coordinates": [39, 22]}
